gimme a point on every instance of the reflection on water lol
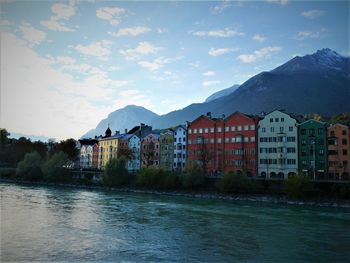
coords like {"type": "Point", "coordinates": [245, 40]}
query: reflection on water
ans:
{"type": "Point", "coordinates": [58, 224]}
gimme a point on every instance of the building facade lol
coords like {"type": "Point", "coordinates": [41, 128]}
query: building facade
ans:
{"type": "Point", "coordinates": [278, 145]}
{"type": "Point", "coordinates": [134, 144]}
{"type": "Point", "coordinates": [338, 136]}
{"type": "Point", "coordinates": [166, 140]}
{"type": "Point", "coordinates": [240, 144]}
{"type": "Point", "coordinates": [180, 148]}
{"type": "Point", "coordinates": [313, 149]}
{"type": "Point", "coordinates": [88, 153]}
{"type": "Point", "coordinates": [108, 148]}
{"type": "Point", "coordinates": [150, 150]}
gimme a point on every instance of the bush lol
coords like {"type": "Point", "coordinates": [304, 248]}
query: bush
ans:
{"type": "Point", "coordinates": [115, 173]}
{"type": "Point", "coordinates": [298, 187]}
{"type": "Point", "coordinates": [150, 177]}
{"type": "Point", "coordinates": [171, 181]}
{"type": "Point", "coordinates": [235, 183]}
{"type": "Point", "coordinates": [54, 168]}
{"type": "Point", "coordinates": [30, 167]}
{"type": "Point", "coordinates": [193, 177]}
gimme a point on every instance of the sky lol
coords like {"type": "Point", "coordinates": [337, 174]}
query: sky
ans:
{"type": "Point", "coordinates": [66, 65]}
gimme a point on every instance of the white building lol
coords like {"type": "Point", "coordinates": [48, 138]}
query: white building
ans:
{"type": "Point", "coordinates": [180, 144]}
{"type": "Point", "coordinates": [88, 153]}
{"type": "Point", "coordinates": [277, 145]}
{"type": "Point", "coordinates": [134, 144]}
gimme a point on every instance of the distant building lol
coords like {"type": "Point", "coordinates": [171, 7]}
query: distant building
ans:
{"type": "Point", "coordinates": [338, 151]}
{"type": "Point", "coordinates": [180, 145]}
{"type": "Point", "coordinates": [166, 140]}
{"type": "Point", "coordinates": [141, 131]}
{"type": "Point", "coordinates": [88, 153]}
{"type": "Point", "coordinates": [278, 145]}
{"type": "Point", "coordinates": [150, 150]}
{"type": "Point", "coordinates": [129, 146]}
{"type": "Point", "coordinates": [313, 149]}
{"type": "Point", "coordinates": [108, 147]}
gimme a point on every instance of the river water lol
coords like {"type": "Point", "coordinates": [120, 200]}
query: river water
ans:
{"type": "Point", "coordinates": [63, 224]}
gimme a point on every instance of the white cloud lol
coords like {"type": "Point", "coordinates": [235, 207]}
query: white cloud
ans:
{"type": "Point", "coordinates": [194, 64]}
{"type": "Point", "coordinates": [155, 64]}
{"type": "Point", "coordinates": [32, 35]}
{"type": "Point", "coordinates": [100, 49]}
{"type": "Point", "coordinates": [279, 2]}
{"type": "Point", "coordinates": [265, 52]}
{"type": "Point", "coordinates": [313, 13]}
{"type": "Point", "coordinates": [221, 51]}
{"type": "Point", "coordinates": [259, 38]}
{"type": "Point", "coordinates": [218, 9]}
{"type": "Point", "coordinates": [47, 100]}
{"type": "Point", "coordinates": [209, 74]}
{"type": "Point", "coordinates": [132, 97]}
{"type": "Point", "coordinates": [130, 31]}
{"type": "Point", "coordinates": [143, 48]}
{"type": "Point", "coordinates": [111, 14]}
{"type": "Point", "coordinates": [61, 12]}
{"type": "Point", "coordinates": [162, 30]}
{"type": "Point", "coordinates": [226, 32]}
{"type": "Point", "coordinates": [301, 35]}
{"type": "Point", "coordinates": [208, 83]}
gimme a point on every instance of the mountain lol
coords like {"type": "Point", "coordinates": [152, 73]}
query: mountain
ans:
{"type": "Point", "coordinates": [222, 93]}
{"type": "Point", "coordinates": [33, 138]}
{"type": "Point", "coordinates": [125, 118]}
{"type": "Point", "coordinates": [316, 83]}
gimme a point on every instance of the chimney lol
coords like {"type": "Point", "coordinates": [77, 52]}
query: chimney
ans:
{"type": "Point", "coordinates": [209, 114]}
{"type": "Point", "coordinates": [116, 132]}
{"type": "Point", "coordinates": [95, 137]}
{"type": "Point", "coordinates": [142, 124]}
{"type": "Point", "coordinates": [126, 130]}
{"type": "Point", "coordinates": [223, 116]}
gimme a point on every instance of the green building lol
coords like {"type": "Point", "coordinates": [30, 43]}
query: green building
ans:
{"type": "Point", "coordinates": [313, 149]}
{"type": "Point", "coordinates": [166, 150]}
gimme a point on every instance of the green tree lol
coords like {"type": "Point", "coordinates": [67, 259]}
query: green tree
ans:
{"type": "Point", "coordinates": [235, 183]}
{"type": "Point", "coordinates": [54, 168]}
{"type": "Point", "coordinates": [193, 176]}
{"type": "Point", "coordinates": [30, 167]}
{"type": "Point", "coordinates": [3, 138]}
{"type": "Point", "coordinates": [298, 186]}
{"type": "Point", "coordinates": [115, 173]}
{"type": "Point", "coordinates": [69, 147]}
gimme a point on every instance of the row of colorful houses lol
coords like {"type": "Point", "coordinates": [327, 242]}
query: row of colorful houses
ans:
{"type": "Point", "coordinates": [275, 145]}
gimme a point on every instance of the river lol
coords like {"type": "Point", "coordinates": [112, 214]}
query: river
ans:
{"type": "Point", "coordinates": [40, 223]}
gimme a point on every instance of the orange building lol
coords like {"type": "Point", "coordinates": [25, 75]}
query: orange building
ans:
{"type": "Point", "coordinates": [338, 151]}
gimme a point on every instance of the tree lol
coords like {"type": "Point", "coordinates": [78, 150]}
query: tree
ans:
{"type": "Point", "coordinates": [148, 153]}
{"type": "Point", "coordinates": [54, 168]}
{"type": "Point", "coordinates": [298, 186]}
{"type": "Point", "coordinates": [126, 153]}
{"type": "Point", "coordinates": [203, 153]}
{"type": "Point", "coordinates": [193, 176]}
{"type": "Point", "coordinates": [115, 173]}
{"type": "Point", "coordinates": [30, 167]}
{"type": "Point", "coordinates": [68, 147]}
{"type": "Point", "coordinates": [235, 183]}
{"type": "Point", "coordinates": [3, 138]}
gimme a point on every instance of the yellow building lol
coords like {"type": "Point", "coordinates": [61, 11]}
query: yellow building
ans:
{"type": "Point", "coordinates": [108, 148]}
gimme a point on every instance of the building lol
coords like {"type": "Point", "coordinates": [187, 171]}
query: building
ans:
{"type": "Point", "coordinates": [108, 147]}
{"type": "Point", "coordinates": [141, 131]}
{"type": "Point", "coordinates": [88, 153]}
{"type": "Point", "coordinates": [338, 136]}
{"type": "Point", "coordinates": [180, 145]}
{"type": "Point", "coordinates": [313, 149]}
{"type": "Point", "coordinates": [166, 140]}
{"type": "Point", "coordinates": [240, 144]}
{"type": "Point", "coordinates": [278, 145]}
{"type": "Point", "coordinates": [150, 150]}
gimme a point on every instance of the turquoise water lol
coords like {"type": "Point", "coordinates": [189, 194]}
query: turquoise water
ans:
{"type": "Point", "coordinates": [62, 224]}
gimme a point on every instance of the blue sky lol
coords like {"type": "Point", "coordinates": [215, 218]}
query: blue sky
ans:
{"type": "Point", "coordinates": [66, 65]}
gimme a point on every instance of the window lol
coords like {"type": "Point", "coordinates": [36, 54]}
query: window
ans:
{"type": "Point", "coordinates": [194, 131]}
{"type": "Point", "coordinates": [205, 130]}
{"type": "Point", "coordinates": [321, 152]}
{"type": "Point", "coordinates": [343, 132]}
{"type": "Point", "coordinates": [219, 140]}
{"type": "Point", "coordinates": [189, 141]}
{"type": "Point", "coordinates": [303, 142]}
{"type": "Point", "coordinates": [281, 129]}
{"type": "Point", "coordinates": [344, 141]}
{"type": "Point", "coordinates": [227, 129]}
{"type": "Point", "coordinates": [233, 139]}
{"type": "Point", "coordinates": [211, 140]}
{"type": "Point", "coordinates": [271, 119]}
{"type": "Point", "coordinates": [252, 139]}
{"type": "Point", "coordinates": [189, 131]}
{"type": "Point", "coordinates": [239, 128]}
{"type": "Point", "coordinates": [219, 129]}
{"type": "Point", "coordinates": [320, 131]}
{"type": "Point", "coordinates": [252, 127]}
{"type": "Point", "coordinates": [276, 119]}
{"type": "Point", "coordinates": [200, 130]}
{"type": "Point", "coordinates": [311, 131]}
{"type": "Point", "coordinates": [233, 128]}
{"type": "Point", "coordinates": [282, 119]}
{"type": "Point", "coordinates": [320, 141]}
{"type": "Point", "coordinates": [290, 128]}
{"type": "Point", "coordinates": [345, 152]}
{"type": "Point", "coordinates": [212, 130]}
{"type": "Point", "coordinates": [263, 130]}
{"type": "Point", "coordinates": [291, 150]}
{"type": "Point", "coordinates": [246, 127]}
{"type": "Point", "coordinates": [272, 129]}
{"type": "Point", "coordinates": [227, 140]}
{"type": "Point", "coordinates": [246, 139]}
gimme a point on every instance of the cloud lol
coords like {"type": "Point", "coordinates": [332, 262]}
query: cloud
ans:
{"type": "Point", "coordinates": [279, 2]}
{"type": "Point", "coordinates": [194, 64]}
{"type": "Point", "coordinates": [209, 74]}
{"type": "Point", "coordinates": [132, 97]}
{"type": "Point", "coordinates": [218, 9]}
{"type": "Point", "coordinates": [155, 64]}
{"type": "Point", "coordinates": [100, 49]}
{"type": "Point", "coordinates": [61, 12]}
{"type": "Point", "coordinates": [111, 14]}
{"type": "Point", "coordinates": [32, 35]}
{"type": "Point", "coordinates": [313, 13]}
{"type": "Point", "coordinates": [130, 31]}
{"type": "Point", "coordinates": [48, 100]}
{"type": "Point", "coordinates": [143, 48]}
{"type": "Point", "coordinates": [301, 35]}
{"type": "Point", "coordinates": [221, 51]}
{"type": "Point", "coordinates": [259, 38]}
{"type": "Point", "coordinates": [265, 52]}
{"type": "Point", "coordinates": [226, 32]}
{"type": "Point", "coordinates": [208, 83]}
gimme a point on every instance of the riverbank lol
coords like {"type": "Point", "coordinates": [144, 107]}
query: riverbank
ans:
{"type": "Point", "coordinates": [276, 199]}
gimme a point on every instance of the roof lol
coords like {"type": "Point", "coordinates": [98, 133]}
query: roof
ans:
{"type": "Point", "coordinates": [312, 120]}
{"type": "Point", "coordinates": [88, 141]}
